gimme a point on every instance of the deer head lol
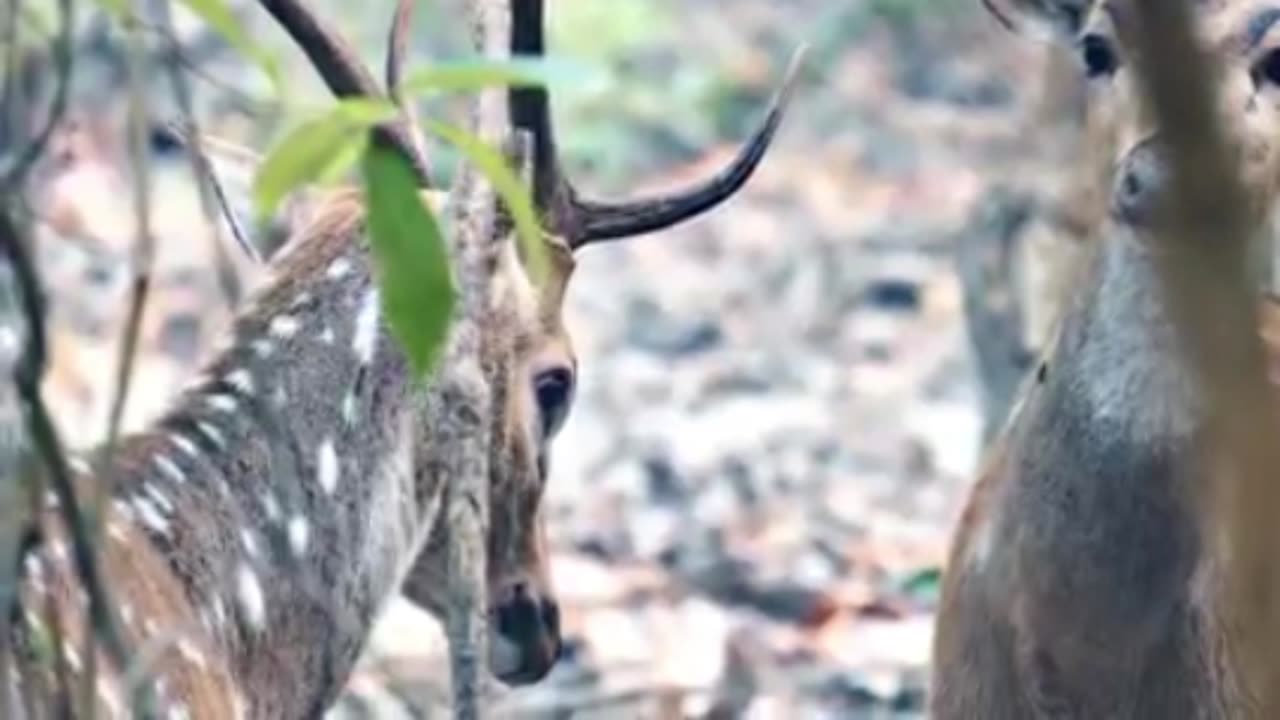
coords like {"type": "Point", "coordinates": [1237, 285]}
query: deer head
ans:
{"type": "Point", "coordinates": [1085, 577]}
{"type": "Point", "coordinates": [536, 381]}
{"type": "Point", "coordinates": [1242, 38]}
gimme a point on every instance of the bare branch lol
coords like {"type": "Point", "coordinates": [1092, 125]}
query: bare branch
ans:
{"type": "Point", "coordinates": [141, 261]}
{"type": "Point", "coordinates": [397, 49]}
{"type": "Point", "coordinates": [465, 391]}
{"type": "Point", "coordinates": [11, 180]}
{"type": "Point", "coordinates": [189, 136]}
{"type": "Point", "coordinates": [210, 191]}
{"type": "Point", "coordinates": [44, 435]}
{"type": "Point", "coordinates": [340, 68]}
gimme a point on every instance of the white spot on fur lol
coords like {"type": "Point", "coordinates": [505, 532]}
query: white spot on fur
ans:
{"type": "Point", "coordinates": [35, 568]}
{"type": "Point", "coordinates": [249, 593]}
{"type": "Point", "coordinates": [284, 326]}
{"type": "Point", "coordinates": [213, 434]}
{"type": "Point", "coordinates": [270, 506]}
{"type": "Point", "coordinates": [219, 611]}
{"type": "Point", "coordinates": [73, 657]}
{"type": "Point", "coordinates": [151, 516]}
{"type": "Point", "coordinates": [338, 269]}
{"type": "Point", "coordinates": [126, 613]}
{"type": "Point", "coordinates": [262, 347]}
{"type": "Point", "coordinates": [109, 697]}
{"type": "Point", "coordinates": [299, 535]}
{"type": "Point", "coordinates": [241, 380]}
{"type": "Point", "coordinates": [365, 341]}
{"type": "Point", "coordinates": [170, 468]}
{"type": "Point", "coordinates": [250, 544]}
{"type": "Point", "coordinates": [223, 403]}
{"type": "Point", "coordinates": [327, 466]}
{"type": "Point", "coordinates": [280, 397]}
{"type": "Point", "coordinates": [326, 336]}
{"type": "Point", "coordinates": [160, 499]}
{"type": "Point", "coordinates": [349, 409]}
{"type": "Point", "coordinates": [186, 446]}
{"type": "Point", "coordinates": [191, 652]}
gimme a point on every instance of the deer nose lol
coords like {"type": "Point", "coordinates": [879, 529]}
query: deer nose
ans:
{"type": "Point", "coordinates": [1141, 184]}
{"type": "Point", "coordinates": [528, 624]}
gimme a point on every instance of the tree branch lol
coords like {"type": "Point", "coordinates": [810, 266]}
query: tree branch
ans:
{"type": "Point", "coordinates": [465, 390]}
{"type": "Point", "coordinates": [1212, 302]}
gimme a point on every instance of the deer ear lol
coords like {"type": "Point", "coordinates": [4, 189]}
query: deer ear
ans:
{"type": "Point", "coordinates": [1046, 20]}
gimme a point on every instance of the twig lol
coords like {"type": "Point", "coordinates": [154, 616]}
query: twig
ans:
{"type": "Point", "coordinates": [12, 179]}
{"type": "Point", "coordinates": [44, 436]}
{"type": "Point", "coordinates": [211, 195]}
{"type": "Point", "coordinates": [191, 138]}
{"type": "Point", "coordinates": [14, 104]}
{"type": "Point", "coordinates": [467, 397]}
{"type": "Point", "coordinates": [143, 254]}
{"type": "Point", "coordinates": [1204, 273]}
{"type": "Point", "coordinates": [398, 47]}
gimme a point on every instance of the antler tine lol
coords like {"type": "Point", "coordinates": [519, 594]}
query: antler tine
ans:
{"type": "Point", "coordinates": [530, 109]}
{"type": "Point", "coordinates": [584, 221]}
{"type": "Point", "coordinates": [341, 69]}
{"type": "Point", "coordinates": [397, 50]}
{"type": "Point", "coordinates": [615, 220]}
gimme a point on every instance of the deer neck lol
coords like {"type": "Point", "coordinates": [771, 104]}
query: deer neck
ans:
{"type": "Point", "coordinates": [1117, 361]}
{"type": "Point", "coordinates": [282, 493]}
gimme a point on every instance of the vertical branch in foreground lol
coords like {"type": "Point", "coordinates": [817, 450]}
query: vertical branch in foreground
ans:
{"type": "Point", "coordinates": [477, 235]}
{"type": "Point", "coordinates": [1204, 274]}
{"type": "Point", "coordinates": [140, 262]}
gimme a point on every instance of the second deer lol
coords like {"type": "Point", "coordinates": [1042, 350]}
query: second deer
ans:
{"type": "Point", "coordinates": [1079, 583]}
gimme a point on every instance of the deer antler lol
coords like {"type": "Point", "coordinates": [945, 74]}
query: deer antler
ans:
{"type": "Point", "coordinates": [341, 69]}
{"type": "Point", "coordinates": [583, 221]}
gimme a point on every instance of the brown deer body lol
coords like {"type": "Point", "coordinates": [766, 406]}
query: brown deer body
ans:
{"type": "Point", "coordinates": [1079, 584]}
{"type": "Point", "coordinates": [256, 529]}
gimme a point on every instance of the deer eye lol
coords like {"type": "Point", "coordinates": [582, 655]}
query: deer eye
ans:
{"type": "Point", "coordinates": [1267, 69]}
{"type": "Point", "coordinates": [553, 389]}
{"type": "Point", "coordinates": [1099, 56]}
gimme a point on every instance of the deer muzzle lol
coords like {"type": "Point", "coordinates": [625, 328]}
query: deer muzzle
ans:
{"type": "Point", "coordinates": [526, 641]}
{"type": "Point", "coordinates": [1141, 185]}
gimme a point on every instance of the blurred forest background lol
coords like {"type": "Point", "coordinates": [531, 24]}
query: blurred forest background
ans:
{"type": "Point", "coordinates": [779, 406]}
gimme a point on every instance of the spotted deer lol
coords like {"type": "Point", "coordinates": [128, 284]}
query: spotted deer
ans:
{"type": "Point", "coordinates": [255, 529]}
{"type": "Point", "coordinates": [1079, 583]}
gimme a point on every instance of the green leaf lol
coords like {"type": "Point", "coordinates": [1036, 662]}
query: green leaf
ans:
{"type": "Point", "coordinates": [410, 259]}
{"type": "Point", "coordinates": [304, 155]}
{"type": "Point", "coordinates": [318, 150]}
{"type": "Point", "coordinates": [344, 159]}
{"type": "Point", "coordinates": [924, 585]}
{"type": "Point", "coordinates": [362, 112]}
{"type": "Point", "coordinates": [478, 73]}
{"type": "Point", "coordinates": [513, 190]}
{"type": "Point", "coordinates": [221, 19]}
